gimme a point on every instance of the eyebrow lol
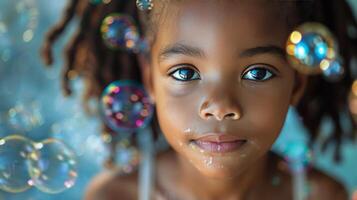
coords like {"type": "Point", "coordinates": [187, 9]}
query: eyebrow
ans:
{"type": "Point", "coordinates": [187, 50]}
{"type": "Point", "coordinates": [181, 49]}
{"type": "Point", "coordinates": [271, 49]}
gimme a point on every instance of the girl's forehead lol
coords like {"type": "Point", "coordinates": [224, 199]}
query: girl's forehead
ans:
{"type": "Point", "coordinates": [208, 23]}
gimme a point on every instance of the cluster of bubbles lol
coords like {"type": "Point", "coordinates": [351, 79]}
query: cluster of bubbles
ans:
{"type": "Point", "coordinates": [20, 19]}
{"type": "Point", "coordinates": [48, 165]}
{"type": "Point", "coordinates": [125, 106]}
{"type": "Point", "coordinates": [144, 4]}
{"type": "Point", "coordinates": [311, 49]}
{"type": "Point", "coordinates": [24, 116]}
{"type": "Point", "coordinates": [119, 32]}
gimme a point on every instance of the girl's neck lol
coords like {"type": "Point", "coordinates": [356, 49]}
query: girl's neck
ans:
{"type": "Point", "coordinates": [194, 184]}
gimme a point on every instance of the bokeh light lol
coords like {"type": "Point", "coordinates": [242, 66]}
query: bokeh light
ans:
{"type": "Point", "coordinates": [333, 70]}
{"type": "Point", "coordinates": [24, 116]}
{"type": "Point", "coordinates": [18, 23]}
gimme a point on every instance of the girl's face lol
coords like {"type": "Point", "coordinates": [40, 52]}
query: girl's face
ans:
{"type": "Point", "coordinates": [218, 70]}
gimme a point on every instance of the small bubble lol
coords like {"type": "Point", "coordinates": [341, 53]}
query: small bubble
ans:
{"type": "Point", "coordinates": [121, 114]}
{"type": "Point", "coordinates": [209, 161]}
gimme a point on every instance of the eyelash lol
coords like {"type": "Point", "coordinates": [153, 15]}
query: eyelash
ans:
{"type": "Point", "coordinates": [269, 74]}
{"type": "Point", "coordinates": [176, 72]}
{"type": "Point", "coordinates": [246, 76]}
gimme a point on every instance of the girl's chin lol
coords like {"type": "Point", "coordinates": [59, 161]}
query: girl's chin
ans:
{"type": "Point", "coordinates": [219, 170]}
{"type": "Point", "coordinates": [222, 174]}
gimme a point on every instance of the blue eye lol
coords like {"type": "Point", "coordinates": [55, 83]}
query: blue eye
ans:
{"type": "Point", "coordinates": [185, 74]}
{"type": "Point", "coordinates": [258, 74]}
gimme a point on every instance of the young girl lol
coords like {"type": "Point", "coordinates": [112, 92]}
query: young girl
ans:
{"type": "Point", "coordinates": [217, 73]}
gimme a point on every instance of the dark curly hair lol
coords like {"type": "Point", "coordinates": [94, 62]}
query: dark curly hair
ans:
{"type": "Point", "coordinates": [88, 57]}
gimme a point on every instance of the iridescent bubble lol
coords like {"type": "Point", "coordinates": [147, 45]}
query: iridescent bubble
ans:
{"type": "Point", "coordinates": [127, 156]}
{"type": "Point", "coordinates": [332, 70]}
{"type": "Point", "coordinates": [144, 4]}
{"type": "Point", "coordinates": [20, 18]}
{"type": "Point", "coordinates": [308, 46]}
{"type": "Point", "coordinates": [126, 106]}
{"type": "Point", "coordinates": [119, 32]}
{"type": "Point", "coordinates": [14, 151]}
{"type": "Point", "coordinates": [24, 117]}
{"type": "Point", "coordinates": [53, 168]}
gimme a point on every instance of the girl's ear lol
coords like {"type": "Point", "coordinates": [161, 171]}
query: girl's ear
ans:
{"type": "Point", "coordinates": [146, 75]}
{"type": "Point", "coordinates": [299, 88]}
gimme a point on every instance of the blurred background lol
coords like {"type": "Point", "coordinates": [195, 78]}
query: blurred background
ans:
{"type": "Point", "coordinates": [32, 106]}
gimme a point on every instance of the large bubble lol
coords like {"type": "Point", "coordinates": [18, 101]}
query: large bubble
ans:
{"type": "Point", "coordinates": [309, 47]}
{"type": "Point", "coordinates": [126, 107]}
{"type": "Point", "coordinates": [14, 151]}
{"type": "Point", "coordinates": [53, 168]}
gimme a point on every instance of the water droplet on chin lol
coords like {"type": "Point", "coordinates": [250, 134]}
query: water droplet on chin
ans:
{"type": "Point", "coordinates": [209, 161]}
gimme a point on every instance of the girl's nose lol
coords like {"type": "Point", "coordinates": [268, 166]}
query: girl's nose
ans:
{"type": "Point", "coordinates": [220, 108]}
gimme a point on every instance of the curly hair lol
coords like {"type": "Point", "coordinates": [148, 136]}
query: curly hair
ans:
{"type": "Point", "coordinates": [87, 56]}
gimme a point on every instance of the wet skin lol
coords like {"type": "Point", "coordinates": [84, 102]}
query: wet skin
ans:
{"type": "Point", "coordinates": [219, 67]}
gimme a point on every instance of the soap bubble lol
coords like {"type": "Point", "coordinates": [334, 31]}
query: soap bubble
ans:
{"type": "Point", "coordinates": [144, 4]}
{"type": "Point", "coordinates": [53, 168]}
{"type": "Point", "coordinates": [308, 46]}
{"type": "Point", "coordinates": [119, 32]}
{"type": "Point", "coordinates": [126, 106]}
{"type": "Point", "coordinates": [24, 117]}
{"type": "Point", "coordinates": [127, 156]}
{"type": "Point", "coordinates": [14, 151]}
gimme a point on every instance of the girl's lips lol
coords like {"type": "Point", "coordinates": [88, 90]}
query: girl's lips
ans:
{"type": "Point", "coordinates": [219, 143]}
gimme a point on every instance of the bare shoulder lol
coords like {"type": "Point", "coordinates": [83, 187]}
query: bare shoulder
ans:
{"type": "Point", "coordinates": [319, 185]}
{"type": "Point", "coordinates": [323, 186]}
{"type": "Point", "coordinates": [110, 186]}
